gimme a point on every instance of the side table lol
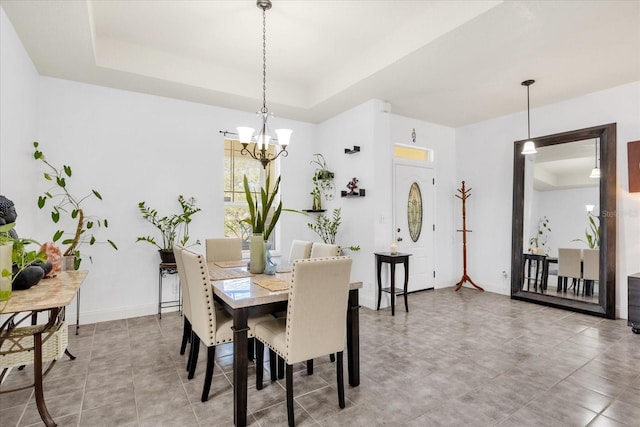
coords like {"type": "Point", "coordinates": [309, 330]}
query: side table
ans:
{"type": "Point", "coordinates": [164, 269]}
{"type": "Point", "coordinates": [392, 260]}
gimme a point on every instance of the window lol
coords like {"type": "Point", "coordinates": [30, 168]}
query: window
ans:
{"type": "Point", "coordinates": [236, 166]}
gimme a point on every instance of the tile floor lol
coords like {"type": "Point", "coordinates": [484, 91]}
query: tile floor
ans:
{"type": "Point", "coordinates": [457, 359]}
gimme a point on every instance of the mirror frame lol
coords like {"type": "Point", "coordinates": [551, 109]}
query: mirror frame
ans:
{"type": "Point", "coordinates": [606, 305]}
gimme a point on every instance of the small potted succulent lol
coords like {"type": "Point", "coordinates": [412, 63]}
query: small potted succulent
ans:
{"type": "Point", "coordinates": [173, 228]}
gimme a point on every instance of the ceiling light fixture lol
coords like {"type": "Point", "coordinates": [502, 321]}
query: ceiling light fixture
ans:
{"type": "Point", "coordinates": [529, 146]}
{"type": "Point", "coordinates": [262, 139]}
{"type": "Point", "coordinates": [595, 172]}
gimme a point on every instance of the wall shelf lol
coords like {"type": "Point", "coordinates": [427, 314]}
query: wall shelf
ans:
{"type": "Point", "coordinates": [314, 210]}
{"type": "Point", "coordinates": [360, 193]}
{"type": "Point", "coordinates": [355, 149]}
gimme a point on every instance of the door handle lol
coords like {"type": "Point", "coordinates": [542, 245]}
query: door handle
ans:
{"type": "Point", "coordinates": [399, 239]}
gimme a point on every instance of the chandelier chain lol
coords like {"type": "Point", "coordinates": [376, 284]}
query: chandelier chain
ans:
{"type": "Point", "coordinates": [264, 61]}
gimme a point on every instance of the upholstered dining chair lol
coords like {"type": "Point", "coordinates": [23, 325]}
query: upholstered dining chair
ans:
{"type": "Point", "coordinates": [208, 325]}
{"type": "Point", "coordinates": [300, 249]}
{"type": "Point", "coordinates": [224, 249]}
{"type": "Point", "coordinates": [186, 304]}
{"type": "Point", "coordinates": [590, 269]}
{"type": "Point", "coordinates": [324, 250]}
{"type": "Point", "coordinates": [569, 266]}
{"type": "Point", "coordinates": [315, 324]}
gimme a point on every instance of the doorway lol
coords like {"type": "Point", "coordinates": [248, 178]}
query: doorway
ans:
{"type": "Point", "coordinates": [414, 220]}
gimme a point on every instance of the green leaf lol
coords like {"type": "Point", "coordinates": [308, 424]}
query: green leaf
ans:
{"type": "Point", "coordinates": [61, 182]}
{"type": "Point", "coordinates": [47, 177]}
{"type": "Point", "coordinates": [89, 224]}
{"type": "Point", "coordinates": [74, 213]}
{"type": "Point", "coordinates": [113, 245]}
{"type": "Point", "coordinates": [92, 240]}
{"type": "Point", "coordinates": [97, 194]}
{"type": "Point", "coordinates": [67, 170]}
{"type": "Point", "coordinates": [106, 223]}
{"type": "Point", "coordinates": [41, 201]}
{"type": "Point", "coordinates": [58, 235]}
{"type": "Point", "coordinates": [55, 216]}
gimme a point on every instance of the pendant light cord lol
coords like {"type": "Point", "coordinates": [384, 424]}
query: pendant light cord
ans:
{"type": "Point", "coordinates": [528, 117]}
{"type": "Point", "coordinates": [264, 61]}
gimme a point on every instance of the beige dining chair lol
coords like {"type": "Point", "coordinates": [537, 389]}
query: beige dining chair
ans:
{"type": "Point", "coordinates": [315, 324]}
{"type": "Point", "coordinates": [186, 303]}
{"type": "Point", "coordinates": [569, 266]}
{"type": "Point", "coordinates": [324, 250]}
{"type": "Point", "coordinates": [590, 269]}
{"type": "Point", "coordinates": [208, 325]}
{"type": "Point", "coordinates": [223, 249]}
{"type": "Point", "coordinates": [300, 249]}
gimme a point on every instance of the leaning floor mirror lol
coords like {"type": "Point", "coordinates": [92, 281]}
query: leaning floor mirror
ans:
{"type": "Point", "coordinates": [564, 221]}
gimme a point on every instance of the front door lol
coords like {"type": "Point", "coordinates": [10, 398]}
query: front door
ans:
{"type": "Point", "coordinates": [414, 221]}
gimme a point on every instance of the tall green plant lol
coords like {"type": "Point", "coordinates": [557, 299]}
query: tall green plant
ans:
{"type": "Point", "coordinates": [66, 203]}
{"type": "Point", "coordinates": [260, 208]}
{"type": "Point", "coordinates": [327, 228]}
{"type": "Point", "coordinates": [591, 233]}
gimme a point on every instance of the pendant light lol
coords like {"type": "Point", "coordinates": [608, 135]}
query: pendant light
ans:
{"type": "Point", "coordinates": [595, 172]}
{"type": "Point", "coordinates": [263, 138]}
{"type": "Point", "coordinates": [529, 146]}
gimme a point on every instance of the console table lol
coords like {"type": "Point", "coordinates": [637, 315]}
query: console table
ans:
{"type": "Point", "coordinates": [392, 260]}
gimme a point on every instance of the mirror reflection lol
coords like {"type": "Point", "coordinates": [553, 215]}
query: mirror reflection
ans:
{"type": "Point", "coordinates": [561, 231]}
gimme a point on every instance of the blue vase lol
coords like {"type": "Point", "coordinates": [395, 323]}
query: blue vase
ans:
{"type": "Point", "coordinates": [269, 266]}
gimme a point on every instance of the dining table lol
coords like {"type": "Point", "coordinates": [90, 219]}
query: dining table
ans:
{"type": "Point", "coordinates": [49, 296]}
{"type": "Point", "coordinates": [243, 294]}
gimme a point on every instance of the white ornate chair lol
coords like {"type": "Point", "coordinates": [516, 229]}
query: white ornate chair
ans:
{"type": "Point", "coordinates": [224, 249]}
{"type": "Point", "coordinates": [300, 249]}
{"type": "Point", "coordinates": [208, 325]}
{"type": "Point", "coordinates": [315, 324]}
{"type": "Point", "coordinates": [569, 266]}
{"type": "Point", "coordinates": [319, 250]}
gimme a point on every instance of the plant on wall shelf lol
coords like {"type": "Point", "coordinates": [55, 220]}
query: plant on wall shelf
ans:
{"type": "Point", "coordinates": [327, 228]}
{"type": "Point", "coordinates": [173, 228]}
{"type": "Point", "coordinates": [72, 206]}
{"type": "Point", "coordinates": [538, 243]}
{"type": "Point", "coordinates": [591, 233]}
{"type": "Point", "coordinates": [323, 185]}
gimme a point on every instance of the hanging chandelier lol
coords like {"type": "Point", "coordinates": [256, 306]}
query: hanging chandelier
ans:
{"type": "Point", "coordinates": [262, 139]}
{"type": "Point", "coordinates": [529, 146]}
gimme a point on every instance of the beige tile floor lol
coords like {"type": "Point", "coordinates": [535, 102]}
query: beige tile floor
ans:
{"type": "Point", "coordinates": [457, 359]}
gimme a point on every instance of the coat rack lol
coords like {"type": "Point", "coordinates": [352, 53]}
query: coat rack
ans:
{"type": "Point", "coordinates": [464, 195]}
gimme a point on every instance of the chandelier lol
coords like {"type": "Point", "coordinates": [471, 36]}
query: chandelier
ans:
{"type": "Point", "coordinates": [262, 139]}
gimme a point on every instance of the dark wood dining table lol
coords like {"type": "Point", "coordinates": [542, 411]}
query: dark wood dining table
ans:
{"type": "Point", "coordinates": [49, 296]}
{"type": "Point", "coordinates": [242, 297]}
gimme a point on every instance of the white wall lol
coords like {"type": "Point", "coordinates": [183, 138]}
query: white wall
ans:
{"type": "Point", "coordinates": [18, 121]}
{"type": "Point", "coordinates": [485, 161]}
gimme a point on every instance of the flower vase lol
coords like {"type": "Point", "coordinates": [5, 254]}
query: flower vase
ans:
{"type": "Point", "coordinates": [269, 266]}
{"type": "Point", "coordinates": [256, 250]}
{"type": "Point", "coordinates": [5, 279]}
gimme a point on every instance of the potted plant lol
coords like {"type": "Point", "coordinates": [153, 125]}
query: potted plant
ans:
{"type": "Point", "coordinates": [537, 243]}
{"type": "Point", "coordinates": [261, 220]}
{"type": "Point", "coordinates": [172, 228]}
{"type": "Point", "coordinates": [328, 228]}
{"type": "Point", "coordinates": [67, 204]}
{"type": "Point", "coordinates": [591, 233]}
{"type": "Point", "coordinates": [323, 185]}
